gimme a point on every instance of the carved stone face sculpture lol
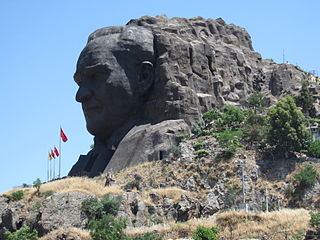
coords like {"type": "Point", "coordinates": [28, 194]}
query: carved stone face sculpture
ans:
{"type": "Point", "coordinates": [112, 80]}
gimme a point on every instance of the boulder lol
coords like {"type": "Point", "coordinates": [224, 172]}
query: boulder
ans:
{"type": "Point", "coordinates": [62, 210]}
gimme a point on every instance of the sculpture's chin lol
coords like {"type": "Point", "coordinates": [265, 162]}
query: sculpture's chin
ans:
{"type": "Point", "coordinates": [100, 132]}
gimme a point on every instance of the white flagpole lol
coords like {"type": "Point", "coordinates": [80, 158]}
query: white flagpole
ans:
{"type": "Point", "coordinates": [50, 175]}
{"type": "Point", "coordinates": [48, 168]}
{"type": "Point", "coordinates": [54, 168]}
{"type": "Point", "coordinates": [60, 152]}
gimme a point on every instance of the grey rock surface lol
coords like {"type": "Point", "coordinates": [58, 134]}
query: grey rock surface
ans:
{"type": "Point", "coordinates": [155, 69]}
{"type": "Point", "coordinates": [62, 210]}
{"type": "Point", "coordinates": [146, 143]}
{"type": "Point", "coordinates": [5, 216]}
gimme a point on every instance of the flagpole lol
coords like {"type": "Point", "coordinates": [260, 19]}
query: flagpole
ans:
{"type": "Point", "coordinates": [50, 172]}
{"type": "Point", "coordinates": [54, 168]}
{"type": "Point", "coordinates": [48, 168]}
{"type": "Point", "coordinates": [60, 151]}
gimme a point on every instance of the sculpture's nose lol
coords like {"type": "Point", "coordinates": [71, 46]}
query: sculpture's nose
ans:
{"type": "Point", "coordinates": [83, 94]}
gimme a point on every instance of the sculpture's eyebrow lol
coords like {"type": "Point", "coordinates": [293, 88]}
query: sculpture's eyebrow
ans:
{"type": "Point", "coordinates": [99, 67]}
{"type": "Point", "coordinates": [88, 70]}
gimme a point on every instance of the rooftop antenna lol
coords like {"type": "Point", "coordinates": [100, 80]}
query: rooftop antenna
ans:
{"type": "Point", "coordinates": [283, 58]}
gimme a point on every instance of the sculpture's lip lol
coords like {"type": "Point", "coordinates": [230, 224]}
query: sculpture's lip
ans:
{"type": "Point", "coordinates": [91, 109]}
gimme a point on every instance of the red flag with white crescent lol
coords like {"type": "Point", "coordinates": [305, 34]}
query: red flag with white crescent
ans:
{"type": "Point", "coordinates": [56, 151]}
{"type": "Point", "coordinates": [63, 135]}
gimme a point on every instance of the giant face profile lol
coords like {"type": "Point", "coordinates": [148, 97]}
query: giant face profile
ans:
{"type": "Point", "coordinates": [112, 79]}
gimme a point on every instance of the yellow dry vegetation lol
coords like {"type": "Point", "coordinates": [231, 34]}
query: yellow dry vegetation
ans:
{"type": "Point", "coordinates": [72, 233]}
{"type": "Point", "coordinates": [81, 184]}
{"type": "Point", "coordinates": [174, 193]}
{"type": "Point", "coordinates": [274, 225]}
{"type": "Point", "coordinates": [238, 225]}
{"type": "Point", "coordinates": [73, 184]}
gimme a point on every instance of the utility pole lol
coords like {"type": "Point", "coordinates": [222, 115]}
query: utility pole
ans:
{"type": "Point", "coordinates": [243, 164]}
{"type": "Point", "coordinates": [279, 204]}
{"type": "Point", "coordinates": [267, 203]}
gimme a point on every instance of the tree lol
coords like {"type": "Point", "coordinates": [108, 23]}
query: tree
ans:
{"type": "Point", "coordinates": [254, 127]}
{"type": "Point", "coordinates": [232, 116]}
{"type": "Point", "coordinates": [204, 233]}
{"type": "Point", "coordinates": [314, 149]}
{"type": "Point", "coordinates": [23, 233]}
{"type": "Point", "coordinates": [256, 102]}
{"type": "Point", "coordinates": [305, 99]}
{"type": "Point", "coordinates": [107, 228]}
{"type": "Point", "coordinates": [307, 176]}
{"type": "Point", "coordinates": [37, 184]}
{"type": "Point", "coordinates": [95, 208]}
{"type": "Point", "coordinates": [287, 131]}
{"type": "Point", "coordinates": [229, 141]}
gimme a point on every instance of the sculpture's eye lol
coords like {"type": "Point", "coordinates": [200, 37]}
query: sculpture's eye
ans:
{"type": "Point", "coordinates": [98, 76]}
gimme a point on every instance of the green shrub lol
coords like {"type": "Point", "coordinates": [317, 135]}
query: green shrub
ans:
{"type": "Point", "coordinates": [211, 115]}
{"type": "Point", "coordinates": [107, 228]}
{"type": "Point", "coordinates": [133, 184]}
{"type": "Point", "coordinates": [147, 236]}
{"type": "Point", "coordinates": [198, 145]}
{"type": "Point", "coordinates": [181, 137]}
{"type": "Point", "coordinates": [229, 141]}
{"type": "Point", "coordinates": [36, 206]}
{"type": "Point", "coordinates": [232, 116]}
{"type": "Point", "coordinates": [307, 176]}
{"type": "Point", "coordinates": [289, 190]}
{"type": "Point", "coordinates": [255, 119]}
{"type": "Point", "coordinates": [287, 132]}
{"type": "Point", "coordinates": [198, 128]}
{"type": "Point", "coordinates": [23, 233]}
{"type": "Point", "coordinates": [201, 153]}
{"type": "Point", "coordinates": [254, 128]}
{"type": "Point", "coordinates": [315, 220]}
{"type": "Point", "coordinates": [305, 98]}
{"type": "Point", "coordinates": [36, 184]}
{"type": "Point", "coordinates": [175, 150]}
{"type": "Point", "coordinates": [257, 102]}
{"type": "Point", "coordinates": [203, 233]}
{"type": "Point", "coordinates": [16, 196]}
{"type": "Point", "coordinates": [314, 149]}
{"type": "Point", "coordinates": [48, 193]}
{"type": "Point", "coordinates": [95, 208]}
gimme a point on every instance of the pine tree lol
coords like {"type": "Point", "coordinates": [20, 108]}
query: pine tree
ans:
{"type": "Point", "coordinates": [305, 99]}
{"type": "Point", "coordinates": [287, 132]}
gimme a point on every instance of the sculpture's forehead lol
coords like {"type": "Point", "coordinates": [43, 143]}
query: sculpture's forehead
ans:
{"type": "Point", "coordinates": [98, 51]}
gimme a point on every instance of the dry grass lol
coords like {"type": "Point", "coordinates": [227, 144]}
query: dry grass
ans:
{"type": "Point", "coordinates": [81, 184]}
{"type": "Point", "coordinates": [73, 233]}
{"type": "Point", "coordinates": [274, 224]}
{"type": "Point", "coordinates": [236, 225]}
{"type": "Point", "coordinates": [74, 184]}
{"type": "Point", "coordinates": [173, 193]}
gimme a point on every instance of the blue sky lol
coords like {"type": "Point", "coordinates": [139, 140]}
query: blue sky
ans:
{"type": "Point", "coordinates": [41, 41]}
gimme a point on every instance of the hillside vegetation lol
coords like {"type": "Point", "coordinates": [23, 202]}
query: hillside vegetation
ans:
{"type": "Point", "coordinates": [240, 171]}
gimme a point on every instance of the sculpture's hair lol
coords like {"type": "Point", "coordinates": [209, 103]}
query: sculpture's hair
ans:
{"type": "Point", "coordinates": [138, 41]}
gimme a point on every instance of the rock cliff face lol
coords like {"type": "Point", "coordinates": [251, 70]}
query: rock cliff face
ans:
{"type": "Point", "coordinates": [197, 64]}
{"type": "Point", "coordinates": [205, 63]}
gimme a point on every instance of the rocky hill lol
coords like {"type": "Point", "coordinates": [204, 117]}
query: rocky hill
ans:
{"type": "Point", "coordinates": [202, 64]}
{"type": "Point", "coordinates": [215, 63]}
{"type": "Point", "coordinates": [172, 197]}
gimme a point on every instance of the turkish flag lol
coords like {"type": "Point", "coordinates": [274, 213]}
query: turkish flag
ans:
{"type": "Point", "coordinates": [56, 151]}
{"type": "Point", "coordinates": [63, 136]}
{"type": "Point", "coordinates": [52, 154]}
